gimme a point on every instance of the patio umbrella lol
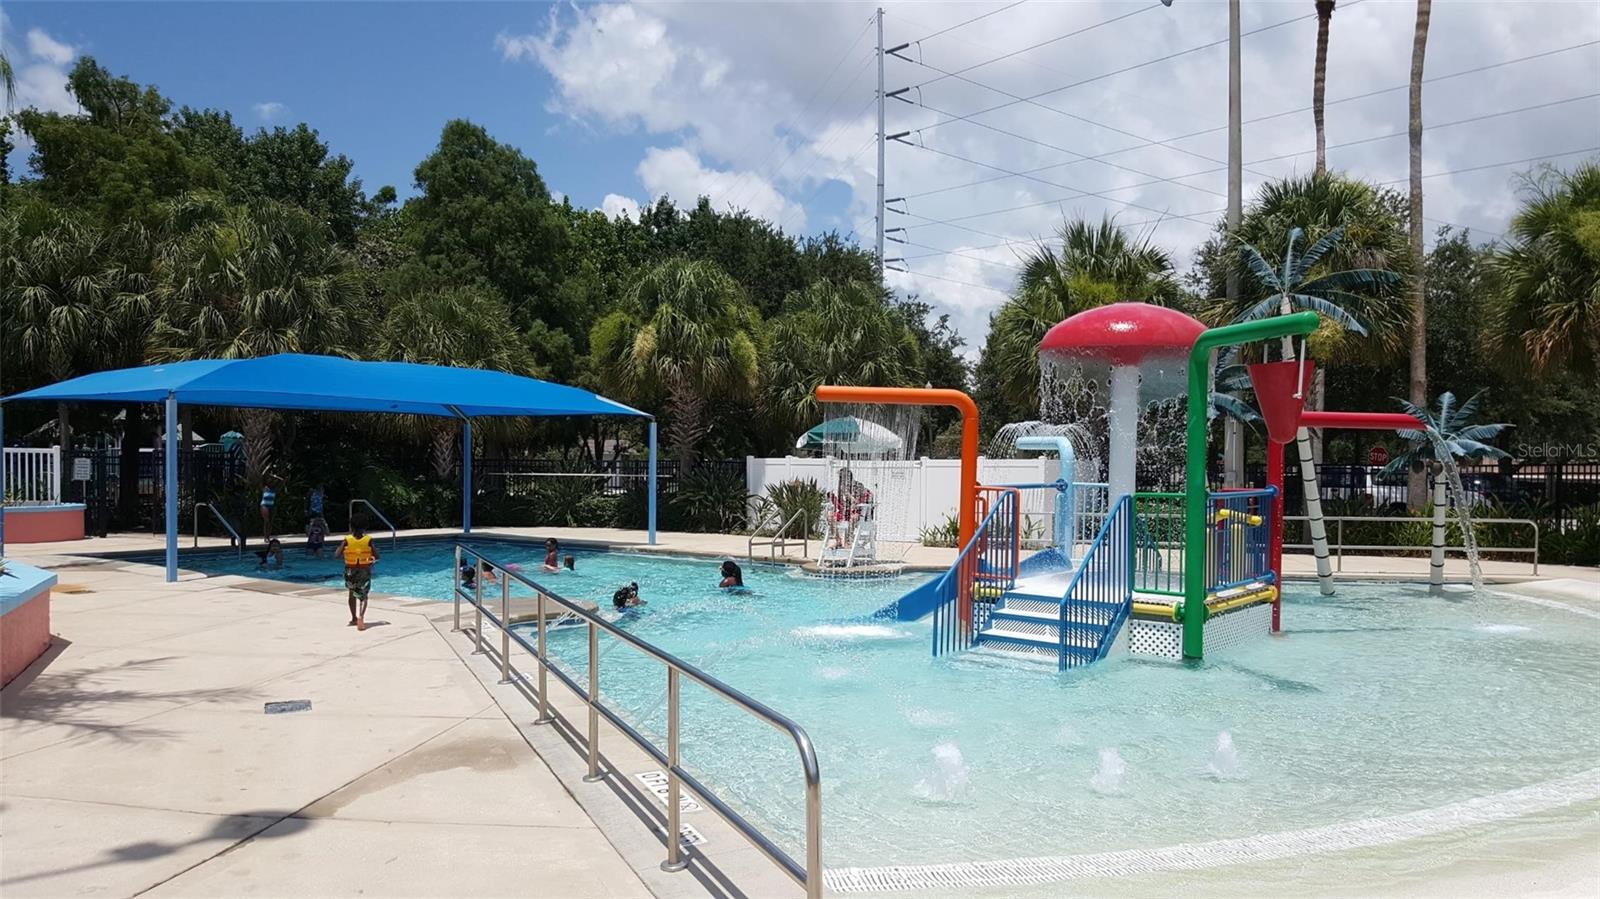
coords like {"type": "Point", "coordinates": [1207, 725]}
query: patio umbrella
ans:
{"type": "Point", "coordinates": [850, 435]}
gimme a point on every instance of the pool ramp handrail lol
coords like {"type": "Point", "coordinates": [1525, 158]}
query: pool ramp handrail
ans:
{"type": "Point", "coordinates": [238, 541]}
{"type": "Point", "coordinates": [954, 611]}
{"type": "Point", "coordinates": [808, 875]}
{"type": "Point", "coordinates": [394, 532]}
{"type": "Point", "coordinates": [778, 542]}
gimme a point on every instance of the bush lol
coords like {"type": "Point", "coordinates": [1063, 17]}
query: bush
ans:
{"type": "Point", "coordinates": [946, 533]}
{"type": "Point", "coordinates": [786, 498]}
{"type": "Point", "coordinates": [709, 499]}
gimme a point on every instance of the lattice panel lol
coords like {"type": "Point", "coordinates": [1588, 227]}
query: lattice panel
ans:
{"type": "Point", "coordinates": [1163, 639]}
{"type": "Point", "coordinates": [1239, 626]}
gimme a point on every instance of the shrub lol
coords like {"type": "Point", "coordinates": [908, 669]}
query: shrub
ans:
{"type": "Point", "coordinates": [786, 498]}
{"type": "Point", "coordinates": [946, 533]}
{"type": "Point", "coordinates": [710, 499]}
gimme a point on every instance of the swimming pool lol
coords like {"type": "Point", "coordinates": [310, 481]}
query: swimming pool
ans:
{"type": "Point", "coordinates": [1379, 702]}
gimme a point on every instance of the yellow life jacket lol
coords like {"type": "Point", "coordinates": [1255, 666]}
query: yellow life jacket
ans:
{"type": "Point", "coordinates": [358, 550]}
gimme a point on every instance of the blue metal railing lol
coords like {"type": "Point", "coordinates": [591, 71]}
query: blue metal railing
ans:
{"type": "Point", "coordinates": [985, 569]}
{"type": "Point", "coordinates": [1239, 535]}
{"type": "Point", "coordinates": [1103, 583]}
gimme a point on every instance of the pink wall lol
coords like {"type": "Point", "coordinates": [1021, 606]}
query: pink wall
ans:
{"type": "Point", "coordinates": [44, 524]}
{"type": "Point", "coordinates": [24, 635]}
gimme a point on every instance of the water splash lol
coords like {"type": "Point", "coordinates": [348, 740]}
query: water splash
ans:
{"type": "Point", "coordinates": [1458, 499]}
{"type": "Point", "coordinates": [949, 777]}
{"type": "Point", "coordinates": [1112, 775]}
{"type": "Point", "coordinates": [1225, 758]}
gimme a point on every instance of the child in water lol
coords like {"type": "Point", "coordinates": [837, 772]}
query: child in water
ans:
{"type": "Point", "coordinates": [626, 597]}
{"type": "Point", "coordinates": [271, 557]}
{"type": "Point", "coordinates": [732, 576]}
{"type": "Point", "coordinates": [552, 555]}
{"type": "Point", "coordinates": [570, 562]}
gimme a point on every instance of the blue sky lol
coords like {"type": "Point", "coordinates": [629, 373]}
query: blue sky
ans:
{"type": "Point", "coordinates": [767, 106]}
{"type": "Point", "coordinates": [377, 80]}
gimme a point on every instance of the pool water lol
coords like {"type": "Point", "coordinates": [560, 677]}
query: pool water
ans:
{"type": "Point", "coordinates": [1380, 700]}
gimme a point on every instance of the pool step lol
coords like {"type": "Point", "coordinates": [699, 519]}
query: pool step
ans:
{"type": "Point", "coordinates": [1027, 620]}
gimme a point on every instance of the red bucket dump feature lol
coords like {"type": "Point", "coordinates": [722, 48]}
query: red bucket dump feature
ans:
{"type": "Point", "coordinates": [1276, 384]}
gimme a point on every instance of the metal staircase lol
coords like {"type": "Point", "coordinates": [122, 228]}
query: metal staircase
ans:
{"type": "Point", "coordinates": [1074, 616]}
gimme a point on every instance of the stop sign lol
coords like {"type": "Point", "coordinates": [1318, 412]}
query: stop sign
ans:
{"type": "Point", "coordinates": [1378, 455]}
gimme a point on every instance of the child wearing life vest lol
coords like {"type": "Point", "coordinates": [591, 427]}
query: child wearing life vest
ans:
{"type": "Point", "coordinates": [359, 554]}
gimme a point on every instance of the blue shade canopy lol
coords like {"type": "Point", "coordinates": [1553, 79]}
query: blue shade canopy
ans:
{"type": "Point", "coordinates": [332, 384]}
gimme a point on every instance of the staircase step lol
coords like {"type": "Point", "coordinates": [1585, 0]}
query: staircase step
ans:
{"type": "Point", "coordinates": [1079, 642]}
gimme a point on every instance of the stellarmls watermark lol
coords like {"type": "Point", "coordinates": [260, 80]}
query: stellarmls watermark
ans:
{"type": "Point", "coordinates": [1559, 451]}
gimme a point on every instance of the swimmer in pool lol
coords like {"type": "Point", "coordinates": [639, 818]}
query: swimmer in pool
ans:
{"type": "Point", "coordinates": [626, 598]}
{"type": "Point", "coordinates": [732, 576]}
{"type": "Point", "coordinates": [271, 557]}
{"type": "Point", "coordinates": [570, 562]}
{"type": "Point", "coordinates": [552, 555]}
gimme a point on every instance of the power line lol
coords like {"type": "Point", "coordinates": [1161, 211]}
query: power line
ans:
{"type": "Point", "coordinates": [1044, 43]}
{"type": "Point", "coordinates": [1077, 191]}
{"type": "Point", "coordinates": [907, 271]}
{"type": "Point", "coordinates": [1100, 157]}
{"type": "Point", "coordinates": [1212, 171]}
{"type": "Point", "coordinates": [929, 37]}
{"type": "Point", "coordinates": [964, 255]}
{"type": "Point", "coordinates": [1497, 165]}
{"type": "Point", "coordinates": [1032, 98]}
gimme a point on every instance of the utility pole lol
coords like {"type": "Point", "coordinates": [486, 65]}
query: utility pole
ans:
{"type": "Point", "coordinates": [880, 146]}
{"type": "Point", "coordinates": [1233, 431]}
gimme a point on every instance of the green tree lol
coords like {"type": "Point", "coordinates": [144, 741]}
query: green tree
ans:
{"type": "Point", "coordinates": [687, 337]}
{"type": "Point", "coordinates": [484, 216]}
{"type": "Point", "coordinates": [1548, 308]}
{"type": "Point", "coordinates": [837, 334]}
{"type": "Point", "coordinates": [118, 158]}
{"type": "Point", "coordinates": [1096, 264]}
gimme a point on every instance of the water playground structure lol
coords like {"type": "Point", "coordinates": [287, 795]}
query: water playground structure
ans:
{"type": "Point", "coordinates": [1173, 574]}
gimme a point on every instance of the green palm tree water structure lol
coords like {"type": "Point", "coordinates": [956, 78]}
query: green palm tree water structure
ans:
{"type": "Point", "coordinates": [1449, 434]}
{"type": "Point", "coordinates": [1298, 285]}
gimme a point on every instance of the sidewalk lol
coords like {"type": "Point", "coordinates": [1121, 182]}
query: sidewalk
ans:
{"type": "Point", "coordinates": [136, 756]}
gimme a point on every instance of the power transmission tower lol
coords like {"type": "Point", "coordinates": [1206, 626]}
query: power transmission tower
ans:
{"type": "Point", "coordinates": [880, 145]}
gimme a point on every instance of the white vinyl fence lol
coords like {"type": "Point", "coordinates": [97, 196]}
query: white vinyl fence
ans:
{"type": "Point", "coordinates": [32, 476]}
{"type": "Point", "coordinates": [934, 484]}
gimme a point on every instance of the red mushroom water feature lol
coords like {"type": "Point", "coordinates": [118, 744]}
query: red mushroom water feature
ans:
{"type": "Point", "coordinates": [1145, 348]}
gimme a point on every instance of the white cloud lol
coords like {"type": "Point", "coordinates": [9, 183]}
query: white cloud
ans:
{"type": "Point", "coordinates": [270, 110]}
{"type": "Point", "coordinates": [44, 47]}
{"type": "Point", "coordinates": [758, 114]}
{"type": "Point", "coordinates": [618, 206]}
{"type": "Point", "coordinates": [679, 174]}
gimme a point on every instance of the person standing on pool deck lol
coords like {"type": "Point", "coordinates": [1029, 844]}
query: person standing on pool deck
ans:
{"type": "Point", "coordinates": [269, 498]}
{"type": "Point", "coordinates": [359, 555]}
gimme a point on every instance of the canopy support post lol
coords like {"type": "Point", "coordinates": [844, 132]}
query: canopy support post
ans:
{"type": "Point", "coordinates": [466, 475]}
{"type": "Point", "coordinates": [2, 483]}
{"type": "Point", "coordinates": [172, 487]}
{"type": "Point", "coordinates": [650, 486]}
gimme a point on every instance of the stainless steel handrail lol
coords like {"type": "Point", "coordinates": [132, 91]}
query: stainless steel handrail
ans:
{"type": "Point", "coordinates": [778, 540]}
{"type": "Point", "coordinates": [394, 532]}
{"type": "Point", "coordinates": [237, 540]}
{"type": "Point", "coordinates": [808, 875]}
{"type": "Point", "coordinates": [1340, 546]}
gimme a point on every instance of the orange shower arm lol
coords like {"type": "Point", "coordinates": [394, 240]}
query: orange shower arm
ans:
{"type": "Point", "coordinates": [928, 396]}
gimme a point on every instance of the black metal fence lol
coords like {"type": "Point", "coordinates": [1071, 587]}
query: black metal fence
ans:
{"type": "Point", "coordinates": [1550, 487]}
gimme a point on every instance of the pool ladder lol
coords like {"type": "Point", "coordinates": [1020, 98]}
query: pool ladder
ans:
{"type": "Point", "coordinates": [238, 541]}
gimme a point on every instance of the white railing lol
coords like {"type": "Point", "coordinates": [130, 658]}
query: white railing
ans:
{"type": "Point", "coordinates": [32, 476]}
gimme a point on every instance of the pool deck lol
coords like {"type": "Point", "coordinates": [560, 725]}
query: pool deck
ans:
{"type": "Point", "coordinates": [136, 756]}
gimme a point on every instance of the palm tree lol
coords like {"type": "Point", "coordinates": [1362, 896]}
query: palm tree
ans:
{"type": "Point", "coordinates": [1419, 289]}
{"type": "Point", "coordinates": [234, 282]}
{"type": "Point", "coordinates": [1548, 309]}
{"type": "Point", "coordinates": [687, 336]}
{"type": "Point", "coordinates": [464, 327]}
{"type": "Point", "coordinates": [1327, 294]}
{"type": "Point", "coordinates": [1447, 434]}
{"type": "Point", "coordinates": [1097, 264]}
{"type": "Point", "coordinates": [836, 334]}
{"type": "Point", "coordinates": [1319, 81]}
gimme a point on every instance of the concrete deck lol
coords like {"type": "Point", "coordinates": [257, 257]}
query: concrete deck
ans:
{"type": "Point", "coordinates": [136, 756]}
